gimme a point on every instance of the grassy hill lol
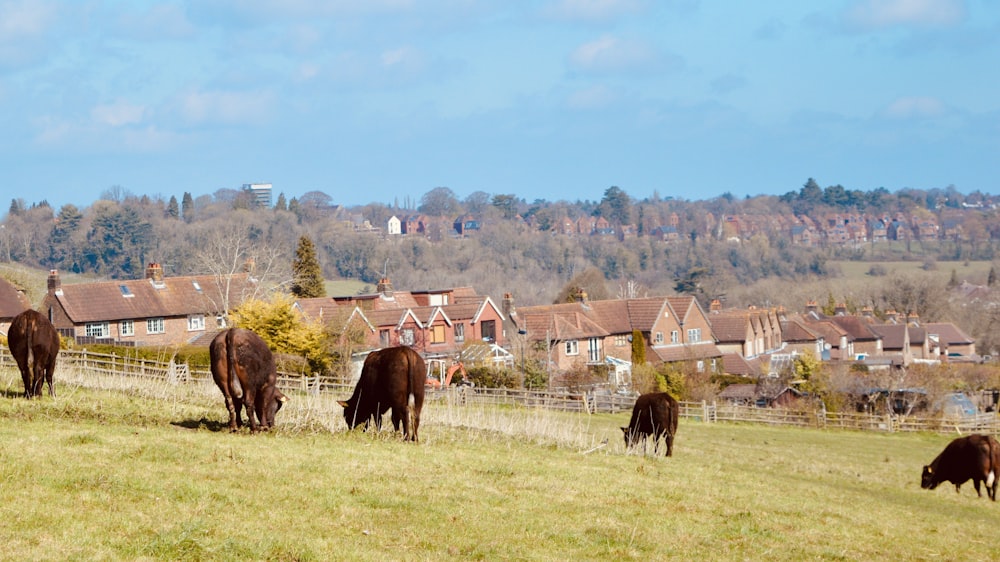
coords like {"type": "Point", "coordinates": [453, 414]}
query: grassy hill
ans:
{"type": "Point", "coordinates": [143, 472]}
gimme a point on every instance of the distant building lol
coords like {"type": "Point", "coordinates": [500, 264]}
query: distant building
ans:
{"type": "Point", "coordinates": [261, 193]}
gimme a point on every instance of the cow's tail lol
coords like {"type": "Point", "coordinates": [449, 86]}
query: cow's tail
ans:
{"type": "Point", "coordinates": [991, 477]}
{"type": "Point", "coordinates": [29, 332]}
{"type": "Point", "coordinates": [411, 399]}
{"type": "Point", "coordinates": [234, 381]}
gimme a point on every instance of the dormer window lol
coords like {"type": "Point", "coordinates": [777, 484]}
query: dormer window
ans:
{"type": "Point", "coordinates": [126, 292]}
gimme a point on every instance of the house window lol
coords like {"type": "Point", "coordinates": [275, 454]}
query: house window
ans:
{"type": "Point", "coordinates": [459, 333]}
{"type": "Point", "coordinates": [437, 334]}
{"type": "Point", "coordinates": [658, 338]}
{"type": "Point", "coordinates": [700, 366]}
{"type": "Point", "coordinates": [196, 322]}
{"type": "Point", "coordinates": [694, 335]}
{"type": "Point", "coordinates": [98, 330]}
{"type": "Point", "coordinates": [154, 325]}
{"type": "Point", "coordinates": [406, 336]}
{"type": "Point", "coordinates": [621, 340]}
{"type": "Point", "coordinates": [220, 321]}
{"type": "Point", "coordinates": [593, 350]}
{"type": "Point", "coordinates": [489, 328]}
{"type": "Point", "coordinates": [675, 336]}
{"type": "Point", "coordinates": [572, 347]}
{"type": "Point", "coordinates": [383, 338]}
{"type": "Point", "coordinates": [126, 328]}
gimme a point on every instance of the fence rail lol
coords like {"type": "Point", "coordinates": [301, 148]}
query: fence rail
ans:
{"type": "Point", "coordinates": [170, 372]}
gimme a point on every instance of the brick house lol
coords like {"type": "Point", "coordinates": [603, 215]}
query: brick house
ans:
{"type": "Point", "coordinates": [154, 311]}
{"type": "Point", "coordinates": [674, 329]}
{"type": "Point", "coordinates": [436, 323]}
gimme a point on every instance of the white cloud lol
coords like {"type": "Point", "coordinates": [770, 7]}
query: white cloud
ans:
{"type": "Point", "coordinates": [610, 54]}
{"type": "Point", "coordinates": [226, 107]}
{"type": "Point", "coordinates": [592, 10]}
{"type": "Point", "coordinates": [25, 18]}
{"type": "Point", "coordinates": [877, 14]}
{"type": "Point", "coordinates": [117, 114]}
{"type": "Point", "coordinates": [915, 108]}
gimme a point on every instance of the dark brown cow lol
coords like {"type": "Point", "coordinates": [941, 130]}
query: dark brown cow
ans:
{"type": "Point", "coordinates": [243, 369]}
{"type": "Point", "coordinates": [391, 378]}
{"type": "Point", "coordinates": [973, 457]}
{"type": "Point", "coordinates": [653, 414]}
{"type": "Point", "coordinates": [34, 343]}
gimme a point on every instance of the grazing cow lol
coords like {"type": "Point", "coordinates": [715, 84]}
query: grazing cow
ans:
{"type": "Point", "coordinates": [34, 343]}
{"type": "Point", "coordinates": [243, 369]}
{"type": "Point", "coordinates": [653, 414]}
{"type": "Point", "coordinates": [973, 457]}
{"type": "Point", "coordinates": [390, 378]}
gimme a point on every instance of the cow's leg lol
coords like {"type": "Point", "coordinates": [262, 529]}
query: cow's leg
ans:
{"type": "Point", "coordinates": [50, 367]}
{"type": "Point", "coordinates": [399, 417]}
{"type": "Point", "coordinates": [250, 402]}
{"type": "Point", "coordinates": [26, 378]}
{"type": "Point", "coordinates": [975, 482]}
{"type": "Point", "coordinates": [38, 370]}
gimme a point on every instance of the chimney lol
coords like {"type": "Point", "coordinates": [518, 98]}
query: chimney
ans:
{"type": "Point", "coordinates": [913, 319]}
{"type": "Point", "coordinates": [891, 316]}
{"type": "Point", "coordinates": [154, 272]}
{"type": "Point", "coordinates": [580, 296]}
{"type": "Point", "coordinates": [384, 287]}
{"type": "Point", "coordinates": [54, 282]}
{"type": "Point", "coordinates": [715, 306]}
{"type": "Point", "coordinates": [840, 309]}
{"type": "Point", "coordinates": [867, 312]}
{"type": "Point", "coordinates": [811, 306]}
{"type": "Point", "coordinates": [250, 266]}
{"type": "Point", "coordinates": [508, 305]}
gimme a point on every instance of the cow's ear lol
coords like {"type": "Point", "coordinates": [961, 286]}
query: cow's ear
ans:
{"type": "Point", "coordinates": [929, 470]}
{"type": "Point", "coordinates": [624, 430]}
{"type": "Point", "coordinates": [342, 403]}
{"type": "Point", "coordinates": [282, 399]}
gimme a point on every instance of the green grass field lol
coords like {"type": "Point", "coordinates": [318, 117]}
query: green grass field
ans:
{"type": "Point", "coordinates": [150, 473]}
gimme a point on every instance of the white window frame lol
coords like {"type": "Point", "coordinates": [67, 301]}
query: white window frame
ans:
{"type": "Point", "coordinates": [196, 322]}
{"type": "Point", "coordinates": [593, 350]}
{"type": "Point", "coordinates": [406, 336]}
{"type": "Point", "coordinates": [657, 338]}
{"type": "Point", "coordinates": [572, 347]}
{"type": "Point", "coordinates": [156, 325]}
{"type": "Point", "coordinates": [675, 336]}
{"type": "Point", "coordinates": [97, 330]}
{"type": "Point", "coordinates": [126, 328]}
{"type": "Point", "coordinates": [694, 335]}
{"type": "Point", "coordinates": [459, 332]}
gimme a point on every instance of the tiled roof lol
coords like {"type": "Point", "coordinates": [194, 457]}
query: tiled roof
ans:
{"type": "Point", "coordinates": [893, 335]}
{"type": "Point", "coordinates": [12, 301]}
{"type": "Point", "coordinates": [736, 364]}
{"type": "Point", "coordinates": [948, 333]}
{"type": "Point", "coordinates": [141, 298]}
{"type": "Point", "coordinates": [857, 327]}
{"type": "Point", "coordinates": [730, 326]}
{"type": "Point", "coordinates": [794, 331]}
{"type": "Point", "coordinates": [739, 392]}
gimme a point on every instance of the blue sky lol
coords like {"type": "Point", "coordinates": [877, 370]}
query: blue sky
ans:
{"type": "Point", "coordinates": [384, 100]}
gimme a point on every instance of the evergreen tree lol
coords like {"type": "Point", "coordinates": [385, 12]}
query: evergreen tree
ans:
{"type": "Point", "coordinates": [173, 210]}
{"type": "Point", "coordinates": [281, 204]}
{"type": "Point", "coordinates": [638, 348]}
{"type": "Point", "coordinates": [307, 275]}
{"type": "Point", "coordinates": [187, 207]}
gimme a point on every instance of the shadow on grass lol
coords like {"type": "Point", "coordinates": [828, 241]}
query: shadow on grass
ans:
{"type": "Point", "coordinates": [203, 423]}
{"type": "Point", "coordinates": [13, 393]}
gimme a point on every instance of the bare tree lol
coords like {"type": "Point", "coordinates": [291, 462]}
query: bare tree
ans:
{"type": "Point", "coordinates": [243, 268]}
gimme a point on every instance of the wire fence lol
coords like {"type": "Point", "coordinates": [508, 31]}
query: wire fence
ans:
{"type": "Point", "coordinates": [87, 363]}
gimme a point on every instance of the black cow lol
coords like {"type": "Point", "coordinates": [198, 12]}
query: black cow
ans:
{"type": "Point", "coordinates": [973, 457]}
{"type": "Point", "coordinates": [34, 343]}
{"type": "Point", "coordinates": [243, 369]}
{"type": "Point", "coordinates": [653, 414]}
{"type": "Point", "coordinates": [390, 378]}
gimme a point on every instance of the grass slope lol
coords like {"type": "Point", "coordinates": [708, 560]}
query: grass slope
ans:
{"type": "Point", "coordinates": [112, 474]}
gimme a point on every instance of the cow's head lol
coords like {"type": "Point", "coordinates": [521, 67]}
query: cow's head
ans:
{"type": "Point", "coordinates": [351, 413]}
{"type": "Point", "coordinates": [629, 437]}
{"type": "Point", "coordinates": [278, 400]}
{"type": "Point", "coordinates": [927, 479]}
